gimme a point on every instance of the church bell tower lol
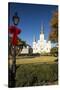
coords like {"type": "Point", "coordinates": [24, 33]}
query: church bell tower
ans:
{"type": "Point", "coordinates": [42, 33]}
{"type": "Point", "coordinates": [34, 44]}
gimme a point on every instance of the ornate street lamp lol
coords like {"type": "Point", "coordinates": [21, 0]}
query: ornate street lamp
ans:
{"type": "Point", "coordinates": [15, 21]}
{"type": "Point", "coordinates": [15, 31]}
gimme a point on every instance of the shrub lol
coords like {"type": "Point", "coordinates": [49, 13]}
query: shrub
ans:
{"type": "Point", "coordinates": [36, 74]}
{"type": "Point", "coordinates": [54, 51]}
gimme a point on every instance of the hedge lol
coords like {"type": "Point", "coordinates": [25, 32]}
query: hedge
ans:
{"type": "Point", "coordinates": [36, 74]}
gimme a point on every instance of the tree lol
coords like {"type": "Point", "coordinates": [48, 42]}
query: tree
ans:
{"type": "Point", "coordinates": [53, 36]}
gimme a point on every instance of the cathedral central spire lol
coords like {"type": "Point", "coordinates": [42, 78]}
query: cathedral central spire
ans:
{"type": "Point", "coordinates": [42, 29]}
{"type": "Point", "coordinates": [34, 39]}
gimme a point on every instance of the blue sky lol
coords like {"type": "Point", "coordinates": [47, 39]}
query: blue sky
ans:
{"type": "Point", "coordinates": [31, 18]}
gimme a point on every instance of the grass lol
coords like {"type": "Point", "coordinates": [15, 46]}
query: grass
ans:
{"type": "Point", "coordinates": [36, 74]}
{"type": "Point", "coordinates": [36, 71]}
{"type": "Point", "coordinates": [47, 59]}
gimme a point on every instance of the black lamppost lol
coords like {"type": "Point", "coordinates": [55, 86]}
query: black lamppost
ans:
{"type": "Point", "coordinates": [15, 21]}
{"type": "Point", "coordinates": [12, 80]}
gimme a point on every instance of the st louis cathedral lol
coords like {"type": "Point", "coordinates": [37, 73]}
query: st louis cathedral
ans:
{"type": "Point", "coordinates": [42, 45]}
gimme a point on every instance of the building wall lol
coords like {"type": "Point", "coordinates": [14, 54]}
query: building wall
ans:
{"type": "Point", "coordinates": [41, 46]}
{"type": "Point", "coordinates": [27, 50]}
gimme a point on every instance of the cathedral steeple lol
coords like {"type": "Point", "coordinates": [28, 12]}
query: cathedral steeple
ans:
{"type": "Point", "coordinates": [42, 33]}
{"type": "Point", "coordinates": [34, 39]}
{"type": "Point", "coordinates": [42, 29]}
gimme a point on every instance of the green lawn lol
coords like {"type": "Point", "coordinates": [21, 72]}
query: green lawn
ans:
{"type": "Point", "coordinates": [36, 74]}
{"type": "Point", "coordinates": [37, 59]}
{"type": "Point", "coordinates": [36, 71]}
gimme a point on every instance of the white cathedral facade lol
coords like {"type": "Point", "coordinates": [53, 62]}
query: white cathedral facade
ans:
{"type": "Point", "coordinates": [42, 45]}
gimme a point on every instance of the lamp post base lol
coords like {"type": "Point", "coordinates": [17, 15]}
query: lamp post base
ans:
{"type": "Point", "coordinates": [12, 71]}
